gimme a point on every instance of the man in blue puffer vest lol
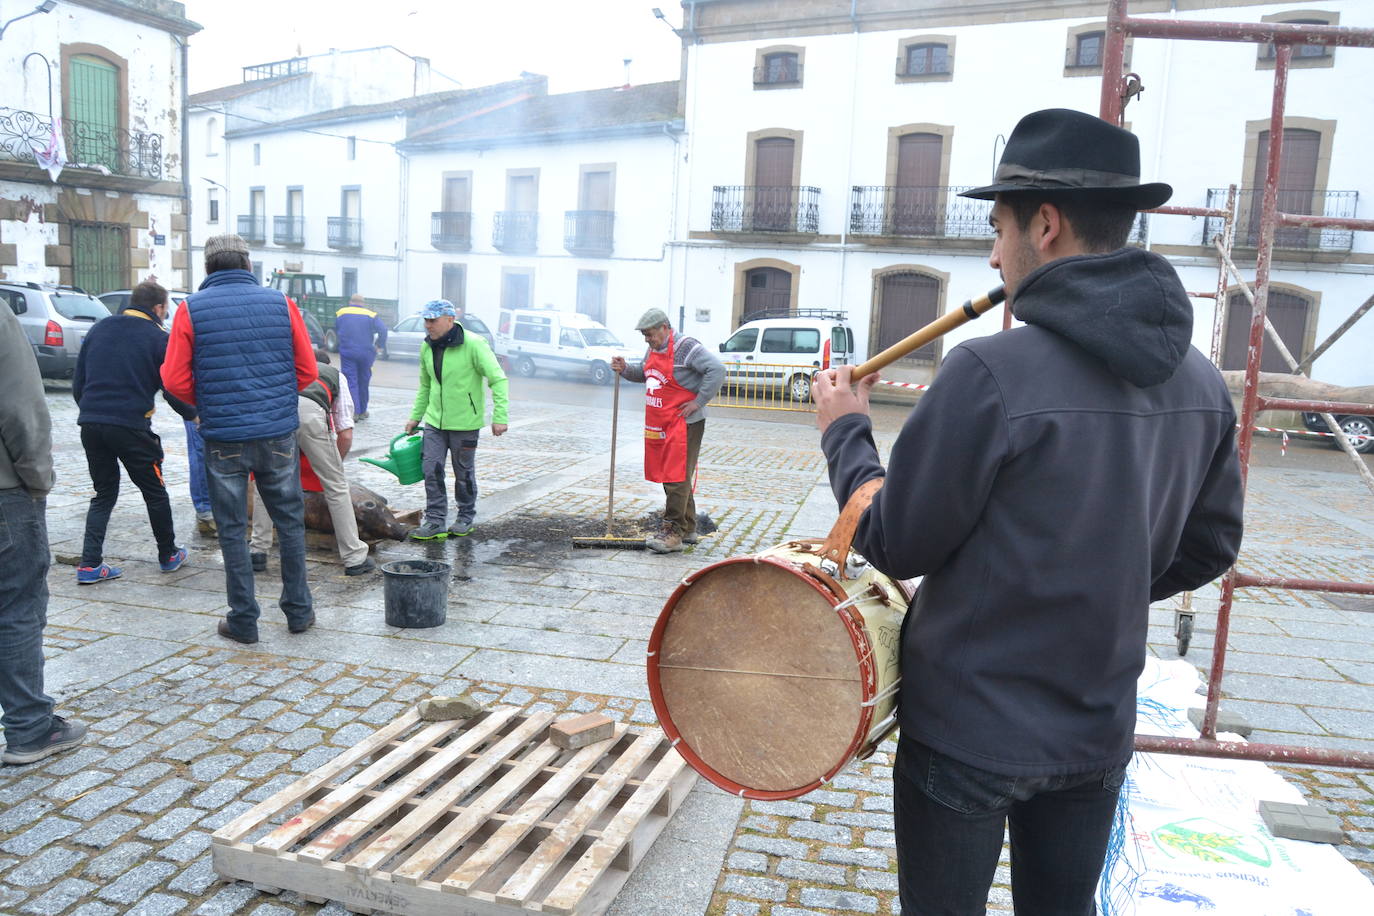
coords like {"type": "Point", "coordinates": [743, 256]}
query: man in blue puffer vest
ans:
{"type": "Point", "coordinates": [361, 335]}
{"type": "Point", "coordinates": [241, 352]}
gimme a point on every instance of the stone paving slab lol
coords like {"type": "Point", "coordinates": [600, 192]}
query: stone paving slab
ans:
{"type": "Point", "coordinates": [187, 730]}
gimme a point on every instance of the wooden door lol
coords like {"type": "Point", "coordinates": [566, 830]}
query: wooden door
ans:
{"type": "Point", "coordinates": [767, 288]}
{"type": "Point", "coordinates": [95, 105]}
{"type": "Point", "coordinates": [457, 195]}
{"type": "Point", "coordinates": [906, 301]}
{"type": "Point", "coordinates": [591, 294]}
{"type": "Point", "coordinates": [916, 206]}
{"type": "Point", "coordinates": [520, 193]}
{"type": "Point", "coordinates": [1297, 184]}
{"type": "Point", "coordinates": [1286, 311]}
{"type": "Point", "coordinates": [100, 256]}
{"type": "Point", "coordinates": [454, 283]}
{"type": "Point", "coordinates": [596, 191]}
{"type": "Point", "coordinates": [774, 197]}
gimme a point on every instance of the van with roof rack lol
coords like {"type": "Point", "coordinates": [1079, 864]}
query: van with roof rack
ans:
{"type": "Point", "coordinates": [782, 348]}
{"type": "Point", "coordinates": [56, 320]}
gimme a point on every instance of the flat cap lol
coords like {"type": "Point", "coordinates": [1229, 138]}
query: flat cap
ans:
{"type": "Point", "coordinates": [652, 319]}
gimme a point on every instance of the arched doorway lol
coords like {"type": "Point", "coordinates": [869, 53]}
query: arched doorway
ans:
{"type": "Point", "coordinates": [1288, 311]}
{"type": "Point", "coordinates": [904, 300]}
{"type": "Point", "coordinates": [766, 289]}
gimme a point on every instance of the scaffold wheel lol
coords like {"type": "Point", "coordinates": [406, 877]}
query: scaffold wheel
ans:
{"type": "Point", "coordinates": [1183, 631]}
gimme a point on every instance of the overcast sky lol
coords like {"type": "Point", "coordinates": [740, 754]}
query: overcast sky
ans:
{"type": "Point", "coordinates": [578, 44]}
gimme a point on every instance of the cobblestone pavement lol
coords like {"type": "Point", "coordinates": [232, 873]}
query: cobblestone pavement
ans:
{"type": "Point", "coordinates": [187, 730]}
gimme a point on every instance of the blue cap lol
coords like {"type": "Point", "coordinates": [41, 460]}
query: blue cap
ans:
{"type": "Point", "coordinates": [437, 307]}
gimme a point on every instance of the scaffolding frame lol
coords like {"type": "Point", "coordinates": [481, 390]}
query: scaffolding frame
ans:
{"type": "Point", "coordinates": [1116, 90]}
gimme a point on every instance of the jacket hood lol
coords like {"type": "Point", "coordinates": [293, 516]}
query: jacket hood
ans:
{"type": "Point", "coordinates": [1127, 308]}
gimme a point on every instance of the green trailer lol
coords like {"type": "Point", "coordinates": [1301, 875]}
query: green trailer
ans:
{"type": "Point", "coordinates": [309, 293]}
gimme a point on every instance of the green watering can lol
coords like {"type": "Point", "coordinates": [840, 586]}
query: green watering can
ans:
{"type": "Point", "coordinates": [402, 460]}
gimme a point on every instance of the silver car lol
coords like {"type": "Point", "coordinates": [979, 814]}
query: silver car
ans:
{"type": "Point", "coordinates": [56, 320]}
{"type": "Point", "coordinates": [403, 341]}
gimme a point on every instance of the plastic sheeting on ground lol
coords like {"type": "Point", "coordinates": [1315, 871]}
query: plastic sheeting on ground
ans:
{"type": "Point", "coordinates": [1188, 836]}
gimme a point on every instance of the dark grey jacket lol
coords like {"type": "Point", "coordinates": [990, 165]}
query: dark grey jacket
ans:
{"type": "Point", "coordinates": [1055, 480]}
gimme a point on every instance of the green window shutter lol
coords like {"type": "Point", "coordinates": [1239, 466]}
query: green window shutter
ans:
{"type": "Point", "coordinates": [94, 94]}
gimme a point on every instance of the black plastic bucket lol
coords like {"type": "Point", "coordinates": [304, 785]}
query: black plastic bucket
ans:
{"type": "Point", "coordinates": [416, 592]}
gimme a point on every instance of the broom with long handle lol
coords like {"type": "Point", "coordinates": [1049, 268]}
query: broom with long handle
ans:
{"type": "Point", "coordinates": [609, 540]}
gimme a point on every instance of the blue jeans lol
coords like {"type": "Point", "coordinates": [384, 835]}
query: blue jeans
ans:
{"type": "Point", "coordinates": [195, 457]}
{"type": "Point", "coordinates": [276, 469]}
{"type": "Point", "coordinates": [25, 710]}
{"type": "Point", "coordinates": [950, 820]}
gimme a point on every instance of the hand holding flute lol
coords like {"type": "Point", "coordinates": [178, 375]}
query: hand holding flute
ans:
{"type": "Point", "coordinates": [835, 389]}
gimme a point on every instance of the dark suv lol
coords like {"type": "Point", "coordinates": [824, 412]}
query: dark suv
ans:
{"type": "Point", "coordinates": [1358, 428]}
{"type": "Point", "coordinates": [56, 320]}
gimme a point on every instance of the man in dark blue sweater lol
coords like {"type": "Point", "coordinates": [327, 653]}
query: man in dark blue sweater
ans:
{"type": "Point", "coordinates": [117, 377]}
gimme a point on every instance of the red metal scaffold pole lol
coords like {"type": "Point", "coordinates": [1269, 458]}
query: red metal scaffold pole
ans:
{"type": "Point", "coordinates": [1283, 36]}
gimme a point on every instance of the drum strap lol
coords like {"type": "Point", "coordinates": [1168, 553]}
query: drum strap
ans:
{"type": "Point", "coordinates": [841, 536]}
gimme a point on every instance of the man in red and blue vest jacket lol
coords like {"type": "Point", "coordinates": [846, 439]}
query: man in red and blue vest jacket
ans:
{"type": "Point", "coordinates": [241, 352]}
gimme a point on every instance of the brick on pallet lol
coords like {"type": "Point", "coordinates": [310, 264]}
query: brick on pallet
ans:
{"type": "Point", "coordinates": [580, 731]}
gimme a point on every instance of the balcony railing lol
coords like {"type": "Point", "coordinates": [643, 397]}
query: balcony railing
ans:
{"type": "Point", "coordinates": [886, 211]}
{"type": "Point", "coordinates": [1322, 203]}
{"type": "Point", "coordinates": [923, 212]}
{"type": "Point", "coordinates": [760, 208]}
{"type": "Point", "coordinates": [589, 232]}
{"type": "Point", "coordinates": [253, 229]}
{"type": "Point", "coordinates": [451, 230]}
{"type": "Point", "coordinates": [344, 232]}
{"type": "Point", "coordinates": [780, 74]}
{"type": "Point", "coordinates": [136, 153]}
{"type": "Point", "coordinates": [515, 230]}
{"type": "Point", "coordinates": [288, 230]}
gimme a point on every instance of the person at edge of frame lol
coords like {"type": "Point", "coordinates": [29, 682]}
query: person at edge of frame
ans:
{"type": "Point", "coordinates": [1054, 480]}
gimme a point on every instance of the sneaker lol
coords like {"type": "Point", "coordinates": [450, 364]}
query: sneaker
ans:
{"type": "Point", "coordinates": [361, 415]}
{"type": "Point", "coordinates": [89, 575]}
{"type": "Point", "coordinates": [62, 735]}
{"type": "Point", "coordinates": [366, 566]}
{"type": "Point", "coordinates": [259, 561]}
{"type": "Point", "coordinates": [429, 531]}
{"type": "Point", "coordinates": [205, 523]}
{"type": "Point", "coordinates": [665, 542]}
{"type": "Point", "coordinates": [461, 528]}
{"type": "Point", "coordinates": [302, 627]}
{"type": "Point", "coordinates": [223, 629]}
{"type": "Point", "coordinates": [174, 562]}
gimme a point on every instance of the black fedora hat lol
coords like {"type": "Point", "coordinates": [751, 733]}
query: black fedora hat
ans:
{"type": "Point", "coordinates": [1060, 150]}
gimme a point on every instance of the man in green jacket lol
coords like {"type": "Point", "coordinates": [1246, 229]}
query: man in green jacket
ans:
{"type": "Point", "coordinates": [452, 405]}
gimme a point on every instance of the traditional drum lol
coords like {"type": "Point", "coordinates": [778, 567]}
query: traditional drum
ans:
{"type": "Point", "coordinates": [769, 673]}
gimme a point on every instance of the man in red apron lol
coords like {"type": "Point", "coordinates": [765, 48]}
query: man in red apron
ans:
{"type": "Point", "coordinates": [680, 376]}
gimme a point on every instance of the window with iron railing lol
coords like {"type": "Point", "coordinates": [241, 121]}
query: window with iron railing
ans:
{"type": "Point", "coordinates": [777, 69]}
{"type": "Point", "coordinates": [766, 208]}
{"type": "Point", "coordinates": [344, 233]}
{"type": "Point", "coordinates": [926, 60]}
{"type": "Point", "coordinates": [253, 228]}
{"type": "Point", "coordinates": [1249, 201]}
{"type": "Point", "coordinates": [589, 231]}
{"type": "Point", "coordinates": [451, 230]}
{"type": "Point", "coordinates": [24, 135]}
{"type": "Point", "coordinates": [288, 230]}
{"type": "Point", "coordinates": [515, 230]}
{"type": "Point", "coordinates": [1086, 50]}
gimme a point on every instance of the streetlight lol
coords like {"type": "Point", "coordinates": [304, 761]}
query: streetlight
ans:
{"type": "Point", "coordinates": [45, 7]}
{"type": "Point", "coordinates": [658, 14]}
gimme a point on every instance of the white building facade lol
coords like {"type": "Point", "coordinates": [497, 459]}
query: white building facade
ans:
{"type": "Point", "coordinates": [111, 73]}
{"type": "Point", "coordinates": [563, 202]}
{"type": "Point", "coordinates": [828, 141]}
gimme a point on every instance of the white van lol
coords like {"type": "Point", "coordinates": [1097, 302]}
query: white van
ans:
{"type": "Point", "coordinates": [787, 351]}
{"type": "Point", "coordinates": [563, 342]}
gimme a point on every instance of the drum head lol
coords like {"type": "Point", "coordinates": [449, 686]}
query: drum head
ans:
{"type": "Point", "coordinates": [759, 676]}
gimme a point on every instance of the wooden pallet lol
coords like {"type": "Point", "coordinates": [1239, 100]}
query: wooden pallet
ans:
{"type": "Point", "coordinates": [481, 817]}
